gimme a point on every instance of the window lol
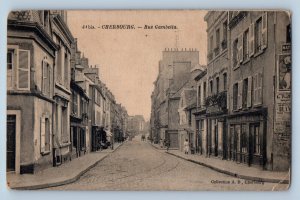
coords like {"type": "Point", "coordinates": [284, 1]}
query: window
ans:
{"type": "Point", "coordinates": [245, 93]}
{"type": "Point", "coordinates": [66, 70]}
{"type": "Point", "coordinates": [211, 40]}
{"type": "Point", "coordinates": [217, 84]}
{"type": "Point", "coordinates": [225, 81]}
{"type": "Point", "coordinates": [217, 37]}
{"type": "Point", "coordinates": [235, 53]}
{"type": "Point", "coordinates": [238, 137]}
{"type": "Point", "coordinates": [288, 34]}
{"type": "Point", "coordinates": [64, 125]}
{"type": "Point", "coordinates": [246, 45]}
{"type": "Point", "coordinates": [235, 96]}
{"type": "Point", "coordinates": [204, 90]}
{"type": "Point", "coordinates": [258, 35]}
{"type": "Point", "coordinates": [45, 134]}
{"type": "Point", "coordinates": [10, 63]}
{"type": "Point", "coordinates": [74, 103]}
{"type": "Point", "coordinates": [199, 96]}
{"type": "Point", "coordinates": [59, 65]}
{"type": "Point", "coordinates": [211, 85]}
{"type": "Point", "coordinates": [47, 79]}
{"type": "Point", "coordinates": [257, 89]}
{"type": "Point", "coordinates": [225, 31]}
{"type": "Point", "coordinates": [255, 132]}
{"type": "Point", "coordinates": [244, 139]}
{"type": "Point", "coordinates": [190, 117]}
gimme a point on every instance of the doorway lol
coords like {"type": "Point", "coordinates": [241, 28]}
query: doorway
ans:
{"type": "Point", "coordinates": [13, 128]}
{"type": "Point", "coordinates": [11, 143]}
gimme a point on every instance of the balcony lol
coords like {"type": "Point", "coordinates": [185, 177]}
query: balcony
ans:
{"type": "Point", "coordinates": [218, 101]}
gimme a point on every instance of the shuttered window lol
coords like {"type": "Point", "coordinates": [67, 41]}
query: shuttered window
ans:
{"type": "Point", "coordinates": [240, 48]}
{"type": "Point", "coordinates": [24, 70]}
{"type": "Point", "coordinates": [249, 95]}
{"type": "Point", "coordinates": [10, 69]}
{"type": "Point", "coordinates": [257, 87]}
{"type": "Point", "coordinates": [45, 134]}
{"type": "Point", "coordinates": [264, 31]}
{"type": "Point", "coordinates": [235, 96]}
{"type": "Point", "coordinates": [47, 79]}
{"type": "Point", "coordinates": [251, 40]}
{"type": "Point", "coordinates": [240, 91]}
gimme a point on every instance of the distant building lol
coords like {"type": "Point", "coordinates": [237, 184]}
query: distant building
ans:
{"type": "Point", "coordinates": [174, 74]}
{"type": "Point", "coordinates": [135, 124]}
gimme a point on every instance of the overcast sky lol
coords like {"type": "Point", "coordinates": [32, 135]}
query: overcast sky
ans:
{"type": "Point", "coordinates": [128, 59]}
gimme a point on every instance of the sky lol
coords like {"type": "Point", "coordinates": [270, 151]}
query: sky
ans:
{"type": "Point", "coordinates": [128, 58]}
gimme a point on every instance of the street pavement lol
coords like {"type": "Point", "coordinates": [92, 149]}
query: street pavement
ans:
{"type": "Point", "coordinates": [139, 166]}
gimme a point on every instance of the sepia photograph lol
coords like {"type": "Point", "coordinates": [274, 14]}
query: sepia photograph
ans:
{"type": "Point", "coordinates": [149, 100]}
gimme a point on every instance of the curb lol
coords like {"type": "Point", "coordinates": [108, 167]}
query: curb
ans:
{"type": "Point", "coordinates": [68, 180]}
{"type": "Point", "coordinates": [253, 178]}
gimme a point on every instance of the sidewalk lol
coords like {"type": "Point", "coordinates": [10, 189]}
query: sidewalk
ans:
{"type": "Point", "coordinates": [55, 176]}
{"type": "Point", "coordinates": [231, 168]}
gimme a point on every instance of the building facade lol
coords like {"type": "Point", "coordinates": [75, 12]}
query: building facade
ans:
{"type": "Point", "coordinates": [174, 74]}
{"type": "Point", "coordinates": [260, 84]}
{"type": "Point", "coordinates": [216, 85]}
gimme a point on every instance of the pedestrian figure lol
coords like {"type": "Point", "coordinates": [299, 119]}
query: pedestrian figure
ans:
{"type": "Point", "coordinates": [168, 144]}
{"type": "Point", "coordinates": [186, 146]}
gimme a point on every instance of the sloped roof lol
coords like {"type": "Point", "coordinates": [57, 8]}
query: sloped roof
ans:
{"type": "Point", "coordinates": [190, 96]}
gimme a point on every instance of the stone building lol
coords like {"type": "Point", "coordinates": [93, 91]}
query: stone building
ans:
{"type": "Point", "coordinates": [186, 130]}
{"type": "Point", "coordinates": [30, 89]}
{"type": "Point", "coordinates": [79, 127]}
{"type": "Point", "coordinates": [174, 73]}
{"type": "Point", "coordinates": [38, 74]}
{"type": "Point", "coordinates": [259, 88]}
{"type": "Point", "coordinates": [216, 84]}
{"type": "Point", "coordinates": [63, 38]}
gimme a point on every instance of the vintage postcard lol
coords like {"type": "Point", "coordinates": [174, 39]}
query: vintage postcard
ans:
{"type": "Point", "coordinates": [189, 100]}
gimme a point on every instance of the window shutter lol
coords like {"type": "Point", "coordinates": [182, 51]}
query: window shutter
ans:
{"type": "Point", "coordinates": [50, 77]}
{"type": "Point", "coordinates": [240, 47]}
{"type": "Point", "coordinates": [240, 90]}
{"type": "Point", "coordinates": [44, 78]}
{"type": "Point", "coordinates": [43, 134]}
{"type": "Point", "coordinates": [259, 88]}
{"type": "Point", "coordinates": [249, 92]}
{"type": "Point", "coordinates": [264, 32]}
{"type": "Point", "coordinates": [24, 70]}
{"type": "Point", "coordinates": [251, 40]}
{"type": "Point", "coordinates": [232, 49]}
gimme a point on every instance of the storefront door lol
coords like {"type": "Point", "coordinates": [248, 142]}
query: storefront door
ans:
{"type": "Point", "coordinates": [11, 143]}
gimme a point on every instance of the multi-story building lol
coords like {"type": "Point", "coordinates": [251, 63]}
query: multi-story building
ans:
{"type": "Point", "coordinates": [201, 144]}
{"type": "Point", "coordinates": [79, 110]}
{"type": "Point", "coordinates": [30, 89]}
{"type": "Point", "coordinates": [259, 88]}
{"type": "Point", "coordinates": [63, 38]}
{"type": "Point", "coordinates": [174, 73]}
{"type": "Point", "coordinates": [246, 115]}
{"type": "Point", "coordinates": [186, 108]}
{"type": "Point", "coordinates": [38, 74]}
{"type": "Point", "coordinates": [216, 84]}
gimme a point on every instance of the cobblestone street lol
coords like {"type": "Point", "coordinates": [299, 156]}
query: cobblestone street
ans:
{"type": "Point", "coordinates": [139, 166]}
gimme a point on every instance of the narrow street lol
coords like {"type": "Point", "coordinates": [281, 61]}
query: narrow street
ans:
{"type": "Point", "coordinates": [139, 166]}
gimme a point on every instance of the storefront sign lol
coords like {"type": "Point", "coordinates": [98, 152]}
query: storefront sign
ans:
{"type": "Point", "coordinates": [284, 72]}
{"type": "Point", "coordinates": [286, 48]}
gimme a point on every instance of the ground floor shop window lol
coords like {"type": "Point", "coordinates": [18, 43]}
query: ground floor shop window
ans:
{"type": "Point", "coordinates": [244, 139]}
{"type": "Point", "coordinates": [255, 132]}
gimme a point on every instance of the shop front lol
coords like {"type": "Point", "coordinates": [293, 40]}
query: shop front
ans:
{"type": "Point", "coordinates": [247, 137]}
